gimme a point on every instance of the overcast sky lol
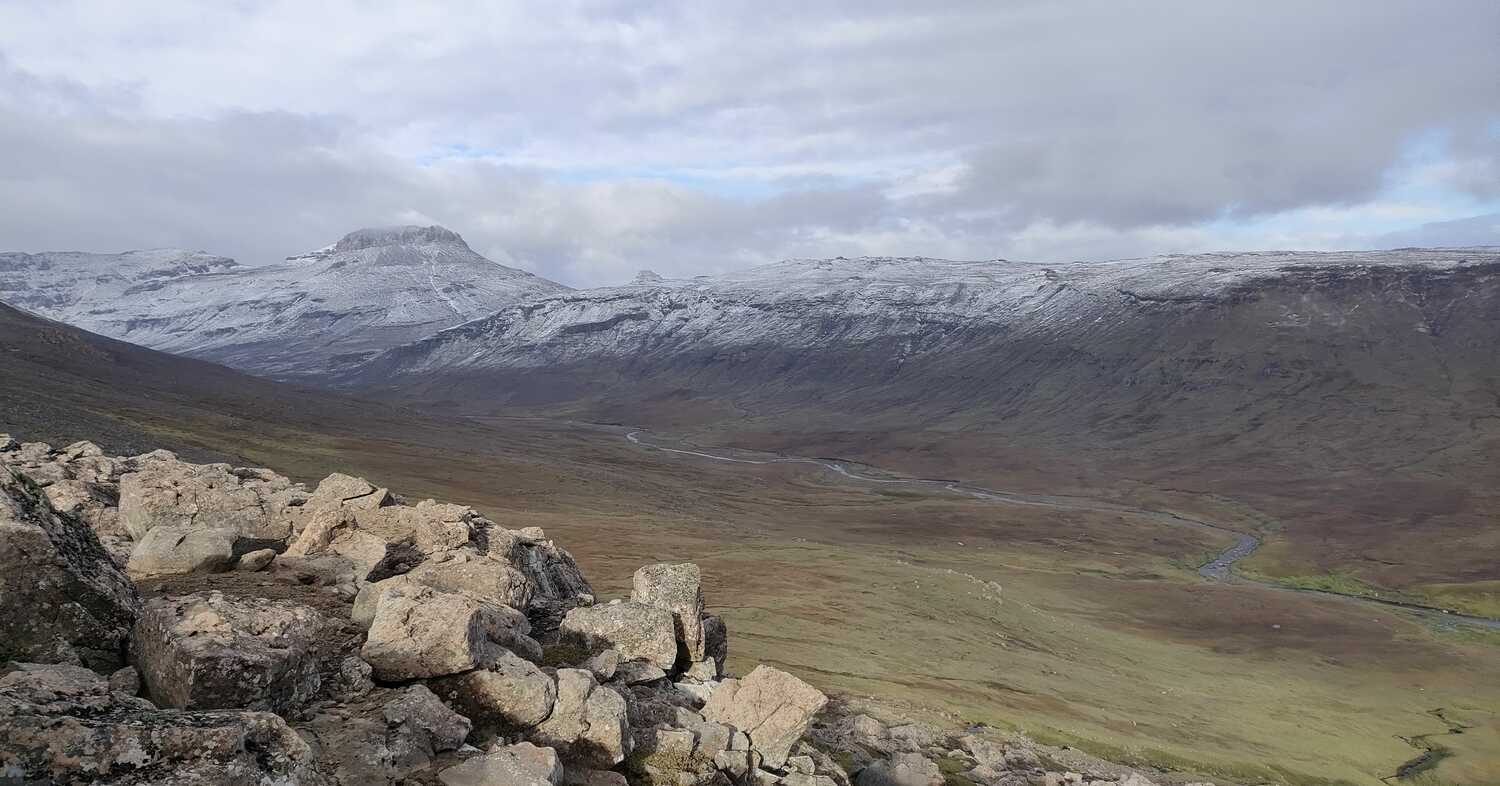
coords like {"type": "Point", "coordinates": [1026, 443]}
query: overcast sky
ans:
{"type": "Point", "coordinates": [584, 141]}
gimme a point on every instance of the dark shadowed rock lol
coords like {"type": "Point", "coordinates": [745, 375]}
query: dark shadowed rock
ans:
{"type": "Point", "coordinates": [206, 651]}
{"type": "Point", "coordinates": [511, 693]}
{"type": "Point", "coordinates": [589, 725]}
{"type": "Point", "coordinates": [715, 641]}
{"type": "Point", "coordinates": [62, 599]}
{"type": "Point", "coordinates": [64, 728]}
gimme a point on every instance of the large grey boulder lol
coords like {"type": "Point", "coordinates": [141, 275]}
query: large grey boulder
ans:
{"type": "Point", "coordinates": [423, 723]}
{"type": "Point", "coordinates": [162, 491]}
{"type": "Point", "coordinates": [510, 694]}
{"type": "Point", "coordinates": [772, 707]}
{"type": "Point", "coordinates": [171, 550]}
{"type": "Point", "coordinates": [522, 764]}
{"type": "Point", "coordinates": [477, 575]}
{"type": "Point", "coordinates": [62, 599]}
{"type": "Point", "coordinates": [589, 725]}
{"type": "Point", "coordinates": [207, 651]}
{"type": "Point", "coordinates": [677, 588]}
{"type": "Point", "coordinates": [64, 729]}
{"type": "Point", "coordinates": [396, 745]}
{"type": "Point", "coordinates": [637, 631]}
{"type": "Point", "coordinates": [418, 632]}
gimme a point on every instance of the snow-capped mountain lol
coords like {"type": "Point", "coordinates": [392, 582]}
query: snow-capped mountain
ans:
{"type": "Point", "coordinates": [374, 289]}
{"type": "Point", "coordinates": [1174, 343]}
{"type": "Point", "coordinates": [915, 306]}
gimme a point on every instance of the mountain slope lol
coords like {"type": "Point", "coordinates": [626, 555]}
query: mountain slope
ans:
{"type": "Point", "coordinates": [1105, 350]}
{"type": "Point", "coordinates": [1347, 402]}
{"type": "Point", "coordinates": [373, 289]}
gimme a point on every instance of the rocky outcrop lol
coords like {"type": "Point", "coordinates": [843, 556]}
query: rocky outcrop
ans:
{"type": "Point", "coordinates": [62, 598]}
{"type": "Point", "coordinates": [59, 725]}
{"type": "Point", "coordinates": [206, 651]}
{"type": "Point", "coordinates": [371, 641]}
{"type": "Point", "coordinates": [252, 503]}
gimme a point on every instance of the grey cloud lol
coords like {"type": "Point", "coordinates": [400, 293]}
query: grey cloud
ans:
{"type": "Point", "coordinates": [1473, 231]}
{"type": "Point", "coordinates": [970, 129]}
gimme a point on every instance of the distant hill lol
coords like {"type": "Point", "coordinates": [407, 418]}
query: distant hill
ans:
{"type": "Point", "coordinates": [373, 289]}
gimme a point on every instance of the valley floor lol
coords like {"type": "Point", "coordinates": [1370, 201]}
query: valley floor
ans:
{"type": "Point", "coordinates": [1085, 628]}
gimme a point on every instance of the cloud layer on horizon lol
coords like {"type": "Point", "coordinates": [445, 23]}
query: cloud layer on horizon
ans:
{"type": "Point", "coordinates": [586, 140]}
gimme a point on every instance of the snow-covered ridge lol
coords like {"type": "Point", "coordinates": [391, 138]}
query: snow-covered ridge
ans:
{"type": "Point", "coordinates": [373, 289]}
{"type": "Point", "coordinates": [929, 304]}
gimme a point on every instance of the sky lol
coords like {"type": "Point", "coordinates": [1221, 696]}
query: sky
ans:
{"type": "Point", "coordinates": [587, 140]}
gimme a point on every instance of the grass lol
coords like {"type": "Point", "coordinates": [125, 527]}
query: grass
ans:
{"type": "Point", "coordinates": [1101, 635]}
{"type": "Point", "coordinates": [953, 770]}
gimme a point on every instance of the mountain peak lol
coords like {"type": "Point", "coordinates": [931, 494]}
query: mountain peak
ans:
{"type": "Point", "coordinates": [398, 235]}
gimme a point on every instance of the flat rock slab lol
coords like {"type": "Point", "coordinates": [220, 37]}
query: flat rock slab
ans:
{"type": "Point", "coordinates": [771, 706]}
{"type": "Point", "coordinates": [637, 631]}
{"type": "Point", "coordinates": [514, 765]}
{"type": "Point", "coordinates": [206, 651]}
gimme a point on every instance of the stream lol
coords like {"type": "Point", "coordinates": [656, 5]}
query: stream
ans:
{"type": "Point", "coordinates": [1220, 568]}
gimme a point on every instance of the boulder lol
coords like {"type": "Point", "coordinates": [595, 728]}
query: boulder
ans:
{"type": "Point", "coordinates": [476, 575]}
{"type": "Point", "coordinates": [166, 492]}
{"type": "Point", "coordinates": [511, 693]}
{"type": "Point", "coordinates": [635, 630]}
{"type": "Point", "coordinates": [558, 584]}
{"type": "Point", "coordinates": [637, 672]}
{"type": "Point", "coordinates": [54, 680]}
{"type": "Point", "coordinates": [256, 560]}
{"type": "Point", "coordinates": [603, 664]}
{"type": "Point", "coordinates": [126, 680]}
{"type": "Point", "coordinates": [94, 504]}
{"type": "Point", "coordinates": [770, 706]}
{"type": "Point", "coordinates": [429, 527]}
{"type": "Point", "coordinates": [62, 599]}
{"type": "Point", "coordinates": [424, 723]}
{"type": "Point", "coordinates": [418, 632]}
{"type": "Point", "coordinates": [172, 550]}
{"type": "Point", "coordinates": [589, 725]}
{"type": "Point", "coordinates": [715, 642]}
{"type": "Point", "coordinates": [65, 728]}
{"type": "Point", "coordinates": [207, 651]}
{"type": "Point", "coordinates": [676, 588]}
{"type": "Point", "coordinates": [522, 764]}
{"type": "Point", "coordinates": [902, 769]}
{"type": "Point", "coordinates": [393, 746]}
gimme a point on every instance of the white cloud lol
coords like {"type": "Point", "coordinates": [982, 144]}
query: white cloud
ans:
{"type": "Point", "coordinates": [587, 139]}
